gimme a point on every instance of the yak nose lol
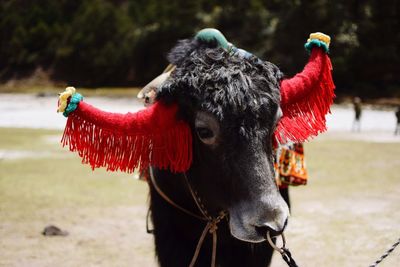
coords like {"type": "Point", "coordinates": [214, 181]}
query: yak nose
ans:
{"type": "Point", "coordinates": [275, 226]}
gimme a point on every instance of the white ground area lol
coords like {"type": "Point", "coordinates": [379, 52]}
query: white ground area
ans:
{"type": "Point", "coordinates": [30, 111]}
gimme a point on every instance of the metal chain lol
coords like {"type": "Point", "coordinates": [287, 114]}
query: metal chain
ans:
{"type": "Point", "coordinates": [286, 255]}
{"type": "Point", "coordinates": [386, 254]}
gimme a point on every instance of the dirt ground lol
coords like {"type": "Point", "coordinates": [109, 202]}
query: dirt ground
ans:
{"type": "Point", "coordinates": [347, 215]}
{"type": "Point", "coordinates": [97, 237]}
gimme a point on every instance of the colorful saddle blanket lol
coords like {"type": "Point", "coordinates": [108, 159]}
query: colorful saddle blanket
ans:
{"type": "Point", "coordinates": [290, 166]}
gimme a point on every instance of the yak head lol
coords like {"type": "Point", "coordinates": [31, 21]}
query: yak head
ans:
{"type": "Point", "coordinates": [232, 107]}
{"type": "Point", "coordinates": [215, 120]}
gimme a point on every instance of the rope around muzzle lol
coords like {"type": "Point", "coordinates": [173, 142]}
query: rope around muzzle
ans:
{"type": "Point", "coordinates": [211, 226]}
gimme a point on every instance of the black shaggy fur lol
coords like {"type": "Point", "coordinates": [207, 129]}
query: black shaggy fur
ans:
{"type": "Point", "coordinates": [243, 96]}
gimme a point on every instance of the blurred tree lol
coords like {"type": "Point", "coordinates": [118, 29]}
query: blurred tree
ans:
{"type": "Point", "coordinates": [29, 32]}
{"type": "Point", "coordinates": [97, 46]}
{"type": "Point", "coordinates": [124, 42]}
{"type": "Point", "coordinates": [376, 59]}
{"type": "Point", "coordinates": [158, 26]}
{"type": "Point", "coordinates": [247, 24]}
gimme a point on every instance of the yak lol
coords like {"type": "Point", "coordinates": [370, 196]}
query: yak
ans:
{"type": "Point", "coordinates": [208, 143]}
{"type": "Point", "coordinates": [232, 107]}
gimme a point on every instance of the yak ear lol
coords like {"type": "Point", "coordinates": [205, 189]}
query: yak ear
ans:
{"type": "Point", "coordinates": [306, 99]}
{"type": "Point", "coordinates": [156, 82]}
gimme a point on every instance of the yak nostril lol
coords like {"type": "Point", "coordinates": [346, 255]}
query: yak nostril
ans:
{"type": "Point", "coordinates": [273, 231]}
{"type": "Point", "coordinates": [263, 230]}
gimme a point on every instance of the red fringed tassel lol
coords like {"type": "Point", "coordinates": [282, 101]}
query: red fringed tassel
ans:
{"type": "Point", "coordinates": [151, 137]}
{"type": "Point", "coordinates": [306, 99]}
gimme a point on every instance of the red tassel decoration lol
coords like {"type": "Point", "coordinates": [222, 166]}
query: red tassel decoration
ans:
{"type": "Point", "coordinates": [306, 99]}
{"type": "Point", "coordinates": [150, 137]}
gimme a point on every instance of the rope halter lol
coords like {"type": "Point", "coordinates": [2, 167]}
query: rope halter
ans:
{"type": "Point", "coordinates": [212, 222]}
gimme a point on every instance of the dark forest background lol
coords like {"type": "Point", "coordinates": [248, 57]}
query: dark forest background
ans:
{"type": "Point", "coordinates": [96, 43]}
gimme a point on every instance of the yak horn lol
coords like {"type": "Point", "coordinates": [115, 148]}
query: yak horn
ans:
{"type": "Point", "coordinates": [306, 99]}
{"type": "Point", "coordinates": [150, 137]}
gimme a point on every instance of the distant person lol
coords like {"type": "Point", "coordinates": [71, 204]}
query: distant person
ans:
{"type": "Point", "coordinates": [397, 131]}
{"type": "Point", "coordinates": [357, 114]}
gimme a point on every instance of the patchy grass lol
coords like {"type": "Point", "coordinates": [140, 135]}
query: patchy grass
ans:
{"type": "Point", "coordinates": [29, 139]}
{"type": "Point", "coordinates": [347, 215]}
{"type": "Point", "coordinates": [103, 212]}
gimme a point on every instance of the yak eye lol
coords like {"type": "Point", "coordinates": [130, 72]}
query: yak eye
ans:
{"type": "Point", "coordinates": [204, 133]}
{"type": "Point", "coordinates": [207, 128]}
